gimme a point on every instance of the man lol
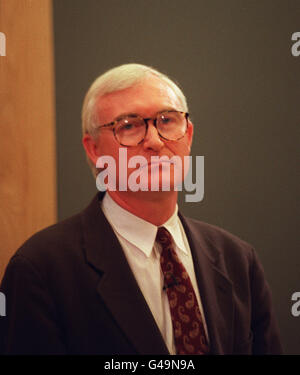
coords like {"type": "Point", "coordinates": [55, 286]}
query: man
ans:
{"type": "Point", "coordinates": [129, 274]}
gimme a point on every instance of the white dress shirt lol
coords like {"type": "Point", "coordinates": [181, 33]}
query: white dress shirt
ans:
{"type": "Point", "coordinates": [137, 238]}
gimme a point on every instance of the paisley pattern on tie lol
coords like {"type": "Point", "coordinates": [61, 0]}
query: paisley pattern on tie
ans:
{"type": "Point", "coordinates": [189, 333]}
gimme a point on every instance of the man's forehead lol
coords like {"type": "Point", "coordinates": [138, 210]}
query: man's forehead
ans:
{"type": "Point", "coordinates": [144, 99]}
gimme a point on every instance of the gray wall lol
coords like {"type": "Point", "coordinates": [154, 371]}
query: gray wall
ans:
{"type": "Point", "coordinates": [233, 60]}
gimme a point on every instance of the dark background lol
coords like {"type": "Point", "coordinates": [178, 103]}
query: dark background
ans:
{"type": "Point", "coordinates": [233, 60]}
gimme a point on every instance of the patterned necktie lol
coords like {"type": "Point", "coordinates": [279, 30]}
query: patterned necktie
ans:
{"type": "Point", "coordinates": [189, 333]}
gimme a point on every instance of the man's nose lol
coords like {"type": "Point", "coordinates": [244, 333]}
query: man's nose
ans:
{"type": "Point", "coordinates": [152, 140]}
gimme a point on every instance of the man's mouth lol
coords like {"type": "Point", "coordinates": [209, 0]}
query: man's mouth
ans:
{"type": "Point", "coordinates": [156, 163]}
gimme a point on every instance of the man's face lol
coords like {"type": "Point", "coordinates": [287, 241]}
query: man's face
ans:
{"type": "Point", "coordinates": [146, 99]}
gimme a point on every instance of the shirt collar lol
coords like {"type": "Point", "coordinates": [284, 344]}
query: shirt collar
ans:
{"type": "Point", "coordinates": [137, 231]}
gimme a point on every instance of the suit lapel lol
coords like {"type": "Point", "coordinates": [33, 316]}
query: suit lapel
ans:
{"type": "Point", "coordinates": [117, 286]}
{"type": "Point", "coordinates": [214, 287]}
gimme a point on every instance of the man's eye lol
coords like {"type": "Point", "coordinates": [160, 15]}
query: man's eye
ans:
{"type": "Point", "coordinates": [127, 126]}
{"type": "Point", "coordinates": [166, 120]}
{"type": "Point", "coordinates": [131, 126]}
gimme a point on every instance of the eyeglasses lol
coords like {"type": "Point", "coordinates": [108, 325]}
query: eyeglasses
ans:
{"type": "Point", "coordinates": [131, 130]}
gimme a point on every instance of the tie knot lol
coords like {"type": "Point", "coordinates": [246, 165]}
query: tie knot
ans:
{"type": "Point", "coordinates": [163, 237]}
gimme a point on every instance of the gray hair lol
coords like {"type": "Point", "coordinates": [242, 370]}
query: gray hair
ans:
{"type": "Point", "coordinates": [116, 79]}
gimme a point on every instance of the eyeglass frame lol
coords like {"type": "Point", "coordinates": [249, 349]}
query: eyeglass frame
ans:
{"type": "Point", "coordinates": [115, 122]}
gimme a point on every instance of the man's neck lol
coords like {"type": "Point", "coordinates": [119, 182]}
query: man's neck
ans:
{"type": "Point", "coordinates": [156, 208]}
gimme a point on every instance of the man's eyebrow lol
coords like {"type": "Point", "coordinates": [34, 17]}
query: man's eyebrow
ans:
{"type": "Point", "coordinates": [166, 109]}
{"type": "Point", "coordinates": [126, 114]}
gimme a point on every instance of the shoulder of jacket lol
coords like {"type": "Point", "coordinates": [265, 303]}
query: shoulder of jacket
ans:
{"type": "Point", "coordinates": [220, 239]}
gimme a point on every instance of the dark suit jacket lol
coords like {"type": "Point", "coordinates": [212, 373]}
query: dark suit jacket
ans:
{"type": "Point", "coordinates": [69, 290]}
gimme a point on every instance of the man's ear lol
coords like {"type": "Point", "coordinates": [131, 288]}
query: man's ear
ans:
{"type": "Point", "coordinates": [91, 148]}
{"type": "Point", "coordinates": [190, 132]}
